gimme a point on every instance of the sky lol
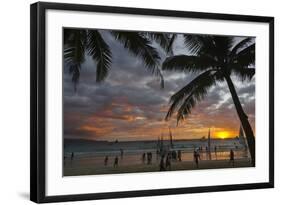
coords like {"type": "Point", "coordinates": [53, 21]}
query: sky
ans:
{"type": "Point", "coordinates": [131, 105]}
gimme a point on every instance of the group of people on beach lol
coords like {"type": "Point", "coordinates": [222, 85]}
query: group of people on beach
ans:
{"type": "Point", "coordinates": [115, 162]}
{"type": "Point", "coordinates": [197, 156]}
{"type": "Point", "coordinates": [146, 157]}
{"type": "Point", "coordinates": [116, 159]}
{"type": "Point", "coordinates": [166, 158]}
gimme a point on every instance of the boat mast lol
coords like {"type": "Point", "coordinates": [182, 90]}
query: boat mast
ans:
{"type": "Point", "coordinates": [171, 138]}
{"type": "Point", "coordinates": [209, 144]}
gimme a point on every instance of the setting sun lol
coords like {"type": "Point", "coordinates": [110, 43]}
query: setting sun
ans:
{"type": "Point", "coordinates": [222, 134]}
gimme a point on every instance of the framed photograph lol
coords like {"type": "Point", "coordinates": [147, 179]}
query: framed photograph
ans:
{"type": "Point", "coordinates": [129, 102]}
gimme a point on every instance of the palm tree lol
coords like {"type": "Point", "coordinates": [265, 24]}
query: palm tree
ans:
{"type": "Point", "coordinates": [78, 43]}
{"type": "Point", "coordinates": [214, 59]}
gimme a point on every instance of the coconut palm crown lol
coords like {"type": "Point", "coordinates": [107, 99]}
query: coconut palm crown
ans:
{"type": "Point", "coordinates": [214, 59]}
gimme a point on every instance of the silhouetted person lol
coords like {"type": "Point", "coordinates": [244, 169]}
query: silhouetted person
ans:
{"type": "Point", "coordinates": [168, 162]}
{"type": "Point", "coordinates": [105, 160]}
{"type": "Point", "coordinates": [216, 151]}
{"type": "Point", "coordinates": [115, 162]}
{"type": "Point", "coordinates": [196, 158]}
{"type": "Point", "coordinates": [231, 156]}
{"type": "Point", "coordinates": [198, 155]}
{"type": "Point", "coordinates": [149, 157]}
{"type": "Point", "coordinates": [194, 155]}
{"type": "Point", "coordinates": [143, 158]}
{"type": "Point", "coordinates": [72, 156]}
{"type": "Point", "coordinates": [179, 155]}
{"type": "Point", "coordinates": [162, 164]}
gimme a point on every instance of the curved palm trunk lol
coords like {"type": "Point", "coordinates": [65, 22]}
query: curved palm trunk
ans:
{"type": "Point", "coordinates": [243, 118]}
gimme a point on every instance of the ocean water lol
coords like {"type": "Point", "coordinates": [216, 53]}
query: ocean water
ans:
{"type": "Point", "coordinates": [133, 150]}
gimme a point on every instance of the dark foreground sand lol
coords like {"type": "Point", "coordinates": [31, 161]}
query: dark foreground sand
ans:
{"type": "Point", "coordinates": [204, 164]}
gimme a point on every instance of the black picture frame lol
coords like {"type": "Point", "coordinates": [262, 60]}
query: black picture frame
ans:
{"type": "Point", "coordinates": [38, 100]}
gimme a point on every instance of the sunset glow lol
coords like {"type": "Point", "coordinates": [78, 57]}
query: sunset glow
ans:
{"type": "Point", "coordinates": [223, 134]}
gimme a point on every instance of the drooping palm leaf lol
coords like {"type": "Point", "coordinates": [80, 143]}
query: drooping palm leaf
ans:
{"type": "Point", "coordinates": [188, 63]}
{"type": "Point", "coordinates": [100, 52]}
{"type": "Point", "coordinates": [193, 42]}
{"type": "Point", "coordinates": [170, 46]}
{"type": "Point", "coordinates": [245, 74]}
{"type": "Point", "coordinates": [242, 44]}
{"type": "Point", "coordinates": [246, 56]}
{"type": "Point", "coordinates": [161, 38]}
{"type": "Point", "coordinates": [74, 52]}
{"type": "Point", "coordinates": [74, 70]}
{"type": "Point", "coordinates": [140, 46]}
{"type": "Point", "coordinates": [200, 44]}
{"type": "Point", "coordinates": [194, 91]}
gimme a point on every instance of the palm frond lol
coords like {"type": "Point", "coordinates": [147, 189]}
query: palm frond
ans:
{"type": "Point", "coordinates": [188, 63]}
{"type": "Point", "coordinates": [245, 74]}
{"type": "Point", "coordinates": [193, 92]}
{"type": "Point", "coordinates": [193, 42]}
{"type": "Point", "coordinates": [140, 46]}
{"type": "Point", "coordinates": [171, 42]}
{"type": "Point", "coordinates": [74, 52]}
{"type": "Point", "coordinates": [74, 70]}
{"type": "Point", "coordinates": [242, 44]}
{"type": "Point", "coordinates": [222, 47]}
{"type": "Point", "coordinates": [67, 35]}
{"type": "Point", "coordinates": [161, 38]}
{"type": "Point", "coordinates": [246, 56]}
{"type": "Point", "coordinates": [100, 52]}
{"type": "Point", "coordinates": [200, 44]}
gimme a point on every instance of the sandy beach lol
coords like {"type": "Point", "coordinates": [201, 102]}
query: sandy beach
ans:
{"type": "Point", "coordinates": [85, 167]}
{"type": "Point", "coordinates": [190, 165]}
{"type": "Point", "coordinates": [89, 157]}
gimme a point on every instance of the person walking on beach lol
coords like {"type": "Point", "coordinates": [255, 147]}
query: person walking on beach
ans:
{"type": "Point", "coordinates": [216, 151]}
{"type": "Point", "coordinates": [72, 156]}
{"type": "Point", "coordinates": [196, 158]}
{"type": "Point", "coordinates": [179, 155]}
{"type": "Point", "coordinates": [168, 162]}
{"type": "Point", "coordinates": [105, 160]}
{"type": "Point", "coordinates": [143, 158]}
{"type": "Point", "coordinates": [231, 156]}
{"type": "Point", "coordinates": [162, 165]}
{"type": "Point", "coordinates": [115, 162]}
{"type": "Point", "coordinates": [194, 155]}
{"type": "Point", "coordinates": [149, 157]}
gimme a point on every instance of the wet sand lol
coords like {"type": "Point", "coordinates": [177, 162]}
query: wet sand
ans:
{"type": "Point", "coordinates": [89, 169]}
